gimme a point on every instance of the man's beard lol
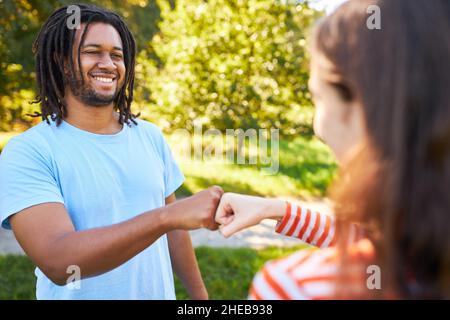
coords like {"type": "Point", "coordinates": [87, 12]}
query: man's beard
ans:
{"type": "Point", "coordinates": [87, 94]}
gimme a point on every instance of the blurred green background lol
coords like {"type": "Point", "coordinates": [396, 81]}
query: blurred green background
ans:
{"type": "Point", "coordinates": [222, 64]}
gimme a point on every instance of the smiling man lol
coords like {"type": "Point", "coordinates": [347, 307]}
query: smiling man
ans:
{"type": "Point", "coordinates": [89, 191]}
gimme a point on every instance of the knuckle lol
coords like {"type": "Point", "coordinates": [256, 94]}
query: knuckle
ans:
{"type": "Point", "coordinates": [217, 189]}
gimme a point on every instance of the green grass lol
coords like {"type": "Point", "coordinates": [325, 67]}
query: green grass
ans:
{"type": "Point", "coordinates": [227, 272]}
{"type": "Point", "coordinates": [17, 280]}
{"type": "Point", "coordinates": [306, 168]}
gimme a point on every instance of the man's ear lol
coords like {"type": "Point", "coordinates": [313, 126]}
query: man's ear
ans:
{"type": "Point", "coordinates": [66, 66]}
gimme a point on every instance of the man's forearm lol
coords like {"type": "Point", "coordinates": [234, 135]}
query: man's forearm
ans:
{"type": "Point", "coordinates": [99, 250]}
{"type": "Point", "coordinates": [48, 236]}
{"type": "Point", "coordinates": [185, 265]}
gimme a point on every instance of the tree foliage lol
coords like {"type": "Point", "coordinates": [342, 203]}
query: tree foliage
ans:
{"type": "Point", "coordinates": [230, 64]}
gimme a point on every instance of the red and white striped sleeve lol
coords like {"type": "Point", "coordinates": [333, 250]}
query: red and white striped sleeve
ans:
{"type": "Point", "coordinates": [313, 274]}
{"type": "Point", "coordinates": [304, 275]}
{"type": "Point", "coordinates": [313, 227]}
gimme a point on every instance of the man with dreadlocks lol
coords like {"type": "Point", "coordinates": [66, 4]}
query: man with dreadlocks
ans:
{"type": "Point", "coordinates": [89, 192]}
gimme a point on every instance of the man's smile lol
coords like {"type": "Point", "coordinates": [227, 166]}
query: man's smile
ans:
{"type": "Point", "coordinates": [103, 78]}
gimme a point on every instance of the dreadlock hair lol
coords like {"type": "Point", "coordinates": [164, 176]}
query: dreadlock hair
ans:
{"type": "Point", "coordinates": [53, 46]}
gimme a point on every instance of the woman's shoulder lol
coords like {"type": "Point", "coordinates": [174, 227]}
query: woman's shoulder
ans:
{"type": "Point", "coordinates": [311, 274]}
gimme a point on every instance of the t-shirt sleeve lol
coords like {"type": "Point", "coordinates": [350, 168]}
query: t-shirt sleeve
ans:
{"type": "Point", "coordinates": [26, 179]}
{"type": "Point", "coordinates": [173, 177]}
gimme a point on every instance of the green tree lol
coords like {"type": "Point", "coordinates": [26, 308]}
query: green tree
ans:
{"type": "Point", "coordinates": [229, 64]}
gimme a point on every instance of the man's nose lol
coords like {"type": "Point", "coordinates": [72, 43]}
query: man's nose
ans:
{"type": "Point", "coordinates": [106, 62]}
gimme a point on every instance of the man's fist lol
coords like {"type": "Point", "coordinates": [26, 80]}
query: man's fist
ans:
{"type": "Point", "coordinates": [198, 210]}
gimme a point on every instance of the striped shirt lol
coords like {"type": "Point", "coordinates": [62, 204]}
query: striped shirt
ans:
{"type": "Point", "coordinates": [312, 274]}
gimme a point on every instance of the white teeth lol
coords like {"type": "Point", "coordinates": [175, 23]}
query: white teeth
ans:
{"type": "Point", "coordinates": [107, 80]}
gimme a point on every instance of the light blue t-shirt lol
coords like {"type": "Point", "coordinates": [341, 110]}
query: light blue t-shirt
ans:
{"type": "Point", "coordinates": [101, 180]}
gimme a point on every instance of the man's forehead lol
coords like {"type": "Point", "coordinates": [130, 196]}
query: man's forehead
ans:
{"type": "Point", "coordinates": [99, 33]}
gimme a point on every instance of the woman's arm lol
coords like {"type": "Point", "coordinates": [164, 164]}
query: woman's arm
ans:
{"type": "Point", "coordinates": [315, 228]}
{"type": "Point", "coordinates": [237, 212]}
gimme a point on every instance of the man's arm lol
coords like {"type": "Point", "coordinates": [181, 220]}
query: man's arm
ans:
{"type": "Point", "coordinates": [49, 238]}
{"type": "Point", "coordinates": [184, 262]}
